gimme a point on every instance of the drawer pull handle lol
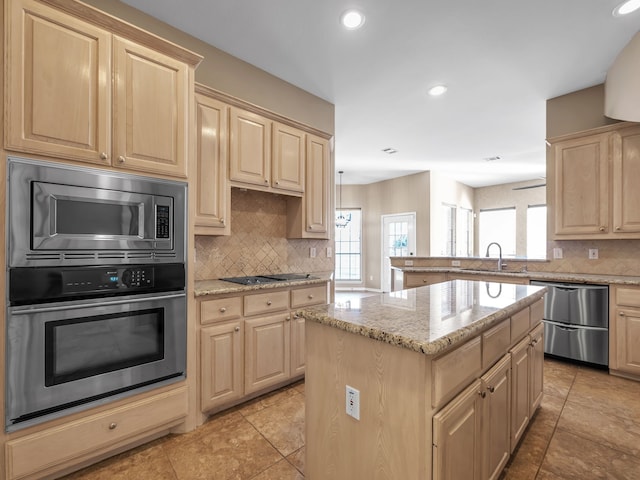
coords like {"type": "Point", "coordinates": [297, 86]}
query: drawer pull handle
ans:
{"type": "Point", "coordinates": [113, 425]}
{"type": "Point", "coordinates": [223, 309]}
{"type": "Point", "coordinates": [269, 302]}
{"type": "Point", "coordinates": [237, 329]}
{"type": "Point", "coordinates": [310, 297]}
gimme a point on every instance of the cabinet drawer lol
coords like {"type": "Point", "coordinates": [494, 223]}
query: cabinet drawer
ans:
{"type": "Point", "coordinates": [421, 279]}
{"type": "Point", "coordinates": [455, 370]}
{"type": "Point", "coordinates": [308, 296]}
{"type": "Point", "coordinates": [495, 343]}
{"type": "Point", "coordinates": [94, 435]}
{"type": "Point", "coordinates": [520, 325]}
{"type": "Point", "coordinates": [266, 303]}
{"type": "Point", "coordinates": [629, 297]}
{"type": "Point", "coordinates": [220, 310]}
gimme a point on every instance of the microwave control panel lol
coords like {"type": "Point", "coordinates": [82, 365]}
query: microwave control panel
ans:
{"type": "Point", "coordinates": [163, 223]}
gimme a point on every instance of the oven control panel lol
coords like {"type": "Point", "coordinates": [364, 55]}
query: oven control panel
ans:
{"type": "Point", "coordinates": [79, 280]}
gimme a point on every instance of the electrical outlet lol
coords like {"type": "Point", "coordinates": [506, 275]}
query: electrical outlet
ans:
{"type": "Point", "coordinates": [557, 253]}
{"type": "Point", "coordinates": [329, 252]}
{"type": "Point", "coordinates": [312, 252]}
{"type": "Point", "coordinates": [593, 253]}
{"type": "Point", "coordinates": [353, 402]}
{"type": "Point", "coordinates": [408, 263]}
{"type": "Point", "coordinates": [455, 263]}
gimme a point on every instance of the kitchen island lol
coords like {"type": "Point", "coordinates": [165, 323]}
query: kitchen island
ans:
{"type": "Point", "coordinates": [447, 376]}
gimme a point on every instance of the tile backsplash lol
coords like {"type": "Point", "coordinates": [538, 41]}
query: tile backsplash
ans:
{"type": "Point", "coordinates": [257, 244]}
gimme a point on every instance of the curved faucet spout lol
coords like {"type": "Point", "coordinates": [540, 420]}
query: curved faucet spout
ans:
{"type": "Point", "coordinates": [500, 263]}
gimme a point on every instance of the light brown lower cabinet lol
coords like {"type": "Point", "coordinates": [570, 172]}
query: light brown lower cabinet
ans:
{"type": "Point", "coordinates": [471, 435]}
{"type": "Point", "coordinates": [624, 331]}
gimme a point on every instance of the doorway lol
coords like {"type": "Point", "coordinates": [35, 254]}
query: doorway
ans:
{"type": "Point", "coordinates": [398, 240]}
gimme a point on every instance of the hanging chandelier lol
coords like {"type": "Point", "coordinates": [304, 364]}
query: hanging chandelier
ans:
{"type": "Point", "coordinates": [341, 220]}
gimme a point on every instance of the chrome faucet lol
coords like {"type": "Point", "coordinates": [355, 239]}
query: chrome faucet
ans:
{"type": "Point", "coordinates": [500, 264]}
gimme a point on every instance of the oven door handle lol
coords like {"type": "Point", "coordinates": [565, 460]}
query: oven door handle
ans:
{"type": "Point", "coordinates": [28, 310]}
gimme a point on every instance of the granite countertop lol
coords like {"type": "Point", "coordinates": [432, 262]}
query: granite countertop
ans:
{"type": "Point", "coordinates": [532, 275]}
{"type": "Point", "coordinates": [428, 319]}
{"type": "Point", "coordinates": [219, 287]}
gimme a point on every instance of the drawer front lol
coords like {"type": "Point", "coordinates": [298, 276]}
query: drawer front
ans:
{"type": "Point", "coordinates": [266, 303]}
{"type": "Point", "coordinates": [520, 325]}
{"type": "Point", "coordinates": [629, 297]}
{"type": "Point", "coordinates": [93, 435]}
{"type": "Point", "coordinates": [422, 279]}
{"type": "Point", "coordinates": [303, 297]}
{"type": "Point", "coordinates": [454, 370]}
{"type": "Point", "coordinates": [495, 343]}
{"type": "Point", "coordinates": [220, 310]}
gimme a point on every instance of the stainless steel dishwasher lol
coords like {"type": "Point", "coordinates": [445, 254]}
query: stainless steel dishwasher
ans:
{"type": "Point", "coordinates": [576, 321]}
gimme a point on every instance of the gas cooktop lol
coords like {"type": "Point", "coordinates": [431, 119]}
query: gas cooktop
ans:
{"type": "Point", "coordinates": [274, 278]}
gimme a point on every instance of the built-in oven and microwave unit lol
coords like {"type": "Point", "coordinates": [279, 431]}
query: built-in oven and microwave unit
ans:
{"type": "Point", "coordinates": [81, 216]}
{"type": "Point", "coordinates": [96, 298]}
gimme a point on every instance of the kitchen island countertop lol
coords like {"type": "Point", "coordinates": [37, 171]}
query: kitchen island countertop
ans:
{"type": "Point", "coordinates": [428, 319]}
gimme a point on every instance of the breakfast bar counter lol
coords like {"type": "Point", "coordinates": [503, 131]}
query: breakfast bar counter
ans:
{"type": "Point", "coordinates": [446, 378]}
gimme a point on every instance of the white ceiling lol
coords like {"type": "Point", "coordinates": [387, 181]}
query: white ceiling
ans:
{"type": "Point", "coordinates": [501, 60]}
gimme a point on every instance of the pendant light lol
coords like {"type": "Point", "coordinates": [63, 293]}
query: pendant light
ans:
{"type": "Point", "coordinates": [341, 220]}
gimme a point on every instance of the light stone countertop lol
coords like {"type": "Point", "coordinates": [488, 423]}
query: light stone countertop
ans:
{"type": "Point", "coordinates": [532, 275]}
{"type": "Point", "coordinates": [428, 319]}
{"type": "Point", "coordinates": [220, 287]}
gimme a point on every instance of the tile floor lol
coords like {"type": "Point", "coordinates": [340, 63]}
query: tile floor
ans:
{"type": "Point", "coordinates": [588, 427]}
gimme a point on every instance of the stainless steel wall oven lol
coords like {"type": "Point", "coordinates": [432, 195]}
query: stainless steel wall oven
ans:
{"type": "Point", "coordinates": [96, 288]}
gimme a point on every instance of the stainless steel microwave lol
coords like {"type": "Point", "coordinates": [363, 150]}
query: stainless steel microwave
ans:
{"type": "Point", "coordinates": [61, 214]}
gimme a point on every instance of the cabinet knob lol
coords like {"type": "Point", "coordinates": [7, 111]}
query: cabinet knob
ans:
{"type": "Point", "coordinates": [269, 302]}
{"type": "Point", "coordinates": [617, 228]}
{"type": "Point", "coordinates": [266, 181]}
{"type": "Point", "coordinates": [491, 389]}
{"type": "Point", "coordinates": [121, 159]}
{"type": "Point", "coordinates": [223, 309]}
{"type": "Point", "coordinates": [310, 297]}
{"type": "Point", "coordinates": [104, 155]}
{"type": "Point", "coordinates": [288, 318]}
{"type": "Point", "coordinates": [222, 221]}
{"type": "Point", "coordinates": [113, 425]}
{"type": "Point", "coordinates": [482, 394]}
{"type": "Point", "coordinates": [622, 314]}
{"type": "Point", "coordinates": [424, 280]}
{"type": "Point", "coordinates": [602, 229]}
{"type": "Point", "coordinates": [237, 329]}
{"type": "Point", "coordinates": [277, 182]}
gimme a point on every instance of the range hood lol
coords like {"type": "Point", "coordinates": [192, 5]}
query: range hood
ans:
{"type": "Point", "coordinates": [622, 86]}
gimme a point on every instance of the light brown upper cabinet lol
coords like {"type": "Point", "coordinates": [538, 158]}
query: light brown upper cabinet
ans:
{"type": "Point", "coordinates": [590, 184]}
{"type": "Point", "coordinates": [213, 197]}
{"type": "Point", "coordinates": [287, 169]}
{"type": "Point", "coordinates": [249, 148]}
{"type": "Point", "coordinates": [308, 217]}
{"type": "Point", "coordinates": [80, 92]}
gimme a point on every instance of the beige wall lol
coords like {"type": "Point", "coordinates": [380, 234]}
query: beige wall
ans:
{"type": "Point", "coordinates": [504, 196]}
{"type": "Point", "coordinates": [231, 75]}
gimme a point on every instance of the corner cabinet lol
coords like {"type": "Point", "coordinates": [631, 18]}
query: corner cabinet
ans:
{"type": "Point", "coordinates": [81, 92]}
{"type": "Point", "coordinates": [591, 183]}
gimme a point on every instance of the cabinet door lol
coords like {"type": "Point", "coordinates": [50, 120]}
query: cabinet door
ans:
{"type": "Point", "coordinates": [316, 198]}
{"type": "Point", "coordinates": [298, 358]}
{"type": "Point", "coordinates": [288, 161]}
{"type": "Point", "coordinates": [537, 368]}
{"type": "Point", "coordinates": [213, 200]}
{"type": "Point", "coordinates": [627, 340]}
{"type": "Point", "coordinates": [496, 384]}
{"type": "Point", "coordinates": [249, 147]}
{"type": "Point", "coordinates": [457, 437]}
{"type": "Point", "coordinates": [151, 101]}
{"type": "Point", "coordinates": [267, 350]}
{"type": "Point", "coordinates": [221, 364]}
{"type": "Point", "coordinates": [626, 171]}
{"type": "Point", "coordinates": [520, 405]}
{"type": "Point", "coordinates": [582, 186]}
{"type": "Point", "coordinates": [57, 104]}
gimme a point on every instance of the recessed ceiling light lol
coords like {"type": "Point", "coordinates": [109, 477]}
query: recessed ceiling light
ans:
{"type": "Point", "coordinates": [389, 150]}
{"type": "Point", "coordinates": [626, 7]}
{"type": "Point", "coordinates": [437, 90]}
{"type": "Point", "coordinates": [352, 19]}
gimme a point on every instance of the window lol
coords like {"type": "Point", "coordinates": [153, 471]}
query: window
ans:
{"type": "Point", "coordinates": [349, 247]}
{"type": "Point", "coordinates": [537, 231]}
{"type": "Point", "coordinates": [449, 230]}
{"type": "Point", "coordinates": [498, 225]}
{"type": "Point", "coordinates": [464, 239]}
